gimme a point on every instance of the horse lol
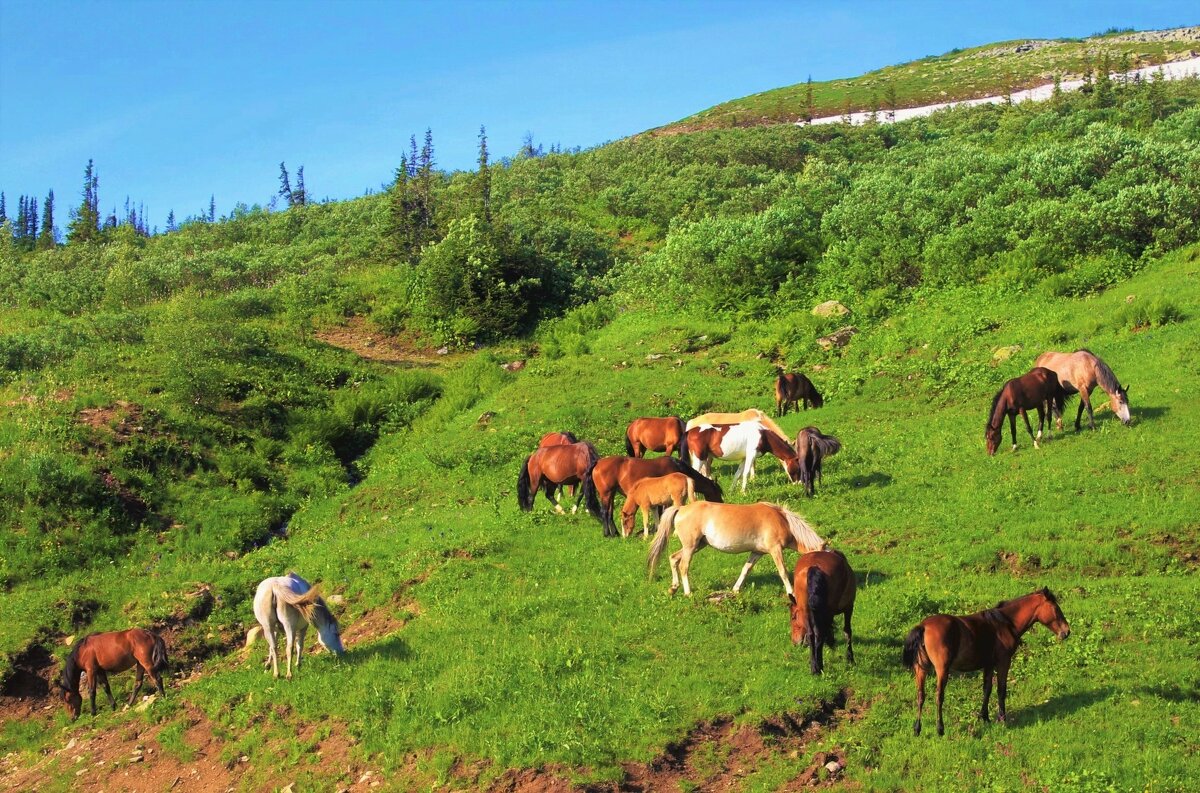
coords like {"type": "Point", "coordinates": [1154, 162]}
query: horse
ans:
{"type": "Point", "coordinates": [750, 414]}
{"type": "Point", "coordinates": [290, 603]}
{"type": "Point", "coordinates": [1031, 390]}
{"type": "Point", "coordinates": [790, 389]}
{"type": "Point", "coordinates": [617, 474]}
{"type": "Point", "coordinates": [557, 439]}
{"type": "Point", "coordinates": [760, 528]}
{"type": "Point", "coordinates": [1080, 372]}
{"type": "Point", "coordinates": [655, 435]}
{"type": "Point", "coordinates": [552, 467]}
{"type": "Point", "coordinates": [812, 447]}
{"type": "Point", "coordinates": [739, 442]}
{"type": "Point", "coordinates": [985, 640]}
{"type": "Point", "coordinates": [100, 653]}
{"type": "Point", "coordinates": [652, 494]}
{"type": "Point", "coordinates": [824, 585]}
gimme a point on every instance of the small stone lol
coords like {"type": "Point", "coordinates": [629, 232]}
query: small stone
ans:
{"type": "Point", "coordinates": [839, 338]}
{"type": "Point", "coordinates": [336, 600]}
{"type": "Point", "coordinates": [137, 758]}
{"type": "Point", "coordinates": [654, 356]}
{"type": "Point", "coordinates": [69, 640]}
{"type": "Point", "coordinates": [1004, 353]}
{"type": "Point", "coordinates": [833, 766]}
{"type": "Point", "coordinates": [145, 703]}
{"type": "Point", "coordinates": [830, 308]}
{"type": "Point", "coordinates": [1130, 298]}
{"type": "Point", "coordinates": [514, 366]}
{"type": "Point", "coordinates": [291, 788]}
{"type": "Point", "coordinates": [443, 351]}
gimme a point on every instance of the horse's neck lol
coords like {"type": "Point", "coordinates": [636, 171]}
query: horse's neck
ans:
{"type": "Point", "coordinates": [1020, 615]}
{"type": "Point", "coordinates": [777, 447]}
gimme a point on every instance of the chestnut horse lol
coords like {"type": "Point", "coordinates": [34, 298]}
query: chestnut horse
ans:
{"type": "Point", "coordinates": [812, 447]}
{"type": "Point", "coordinates": [115, 651]}
{"type": "Point", "coordinates": [552, 467]}
{"type": "Point", "coordinates": [742, 442]}
{"type": "Point", "coordinates": [751, 414]}
{"type": "Point", "coordinates": [986, 640]}
{"type": "Point", "coordinates": [653, 494]}
{"type": "Point", "coordinates": [1080, 372]}
{"type": "Point", "coordinates": [1031, 390]}
{"type": "Point", "coordinates": [557, 439]}
{"type": "Point", "coordinates": [790, 389]}
{"type": "Point", "coordinates": [760, 529]}
{"type": "Point", "coordinates": [655, 435]}
{"type": "Point", "coordinates": [824, 586]}
{"type": "Point", "coordinates": [617, 474]}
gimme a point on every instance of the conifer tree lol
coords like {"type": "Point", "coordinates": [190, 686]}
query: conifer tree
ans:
{"type": "Point", "coordinates": [22, 223]}
{"type": "Point", "coordinates": [212, 209]}
{"type": "Point", "coordinates": [809, 109]}
{"type": "Point", "coordinates": [890, 100]}
{"type": "Point", "coordinates": [46, 238]}
{"type": "Point", "coordinates": [171, 221]}
{"type": "Point", "coordinates": [413, 156]}
{"type": "Point", "coordinates": [111, 221]}
{"type": "Point", "coordinates": [3, 209]}
{"type": "Point", "coordinates": [300, 196]}
{"type": "Point", "coordinates": [31, 230]}
{"type": "Point", "coordinates": [285, 184]}
{"type": "Point", "coordinates": [1103, 94]}
{"type": "Point", "coordinates": [485, 177]}
{"type": "Point", "coordinates": [85, 223]}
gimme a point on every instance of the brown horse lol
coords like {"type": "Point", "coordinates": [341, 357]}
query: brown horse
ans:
{"type": "Point", "coordinates": [552, 467]}
{"type": "Point", "coordinates": [791, 389]}
{"type": "Point", "coordinates": [1031, 390]}
{"type": "Point", "coordinates": [1080, 372]}
{"type": "Point", "coordinates": [617, 474]}
{"type": "Point", "coordinates": [985, 640]}
{"type": "Point", "coordinates": [742, 442]}
{"type": "Point", "coordinates": [812, 447]}
{"type": "Point", "coordinates": [653, 494]}
{"type": "Point", "coordinates": [557, 439]}
{"type": "Point", "coordinates": [655, 435]}
{"type": "Point", "coordinates": [100, 653]}
{"type": "Point", "coordinates": [824, 586]}
{"type": "Point", "coordinates": [759, 529]}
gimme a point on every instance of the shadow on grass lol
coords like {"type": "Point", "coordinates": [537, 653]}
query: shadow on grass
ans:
{"type": "Point", "coordinates": [873, 479]}
{"type": "Point", "coordinates": [392, 648]}
{"type": "Point", "coordinates": [1171, 693]}
{"type": "Point", "coordinates": [1139, 413]}
{"type": "Point", "coordinates": [1061, 705]}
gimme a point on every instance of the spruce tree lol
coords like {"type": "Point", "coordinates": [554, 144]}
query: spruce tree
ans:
{"type": "Point", "coordinates": [85, 225]}
{"type": "Point", "coordinates": [809, 109]}
{"type": "Point", "coordinates": [413, 156]}
{"type": "Point", "coordinates": [22, 224]}
{"type": "Point", "coordinates": [484, 177]}
{"type": "Point", "coordinates": [1103, 94]}
{"type": "Point", "coordinates": [890, 100]}
{"type": "Point", "coordinates": [46, 238]}
{"type": "Point", "coordinates": [300, 196]}
{"type": "Point", "coordinates": [171, 221]}
{"type": "Point", "coordinates": [31, 230]}
{"type": "Point", "coordinates": [212, 209]}
{"type": "Point", "coordinates": [3, 209]}
{"type": "Point", "coordinates": [285, 184]}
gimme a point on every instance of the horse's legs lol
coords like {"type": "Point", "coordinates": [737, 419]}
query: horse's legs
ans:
{"type": "Point", "coordinates": [754, 557]}
{"type": "Point", "coordinates": [577, 492]}
{"type": "Point", "coordinates": [942, 675]}
{"type": "Point", "coordinates": [987, 692]}
{"type": "Point", "coordinates": [272, 653]}
{"type": "Point", "coordinates": [303, 629]}
{"type": "Point", "coordinates": [675, 557]}
{"type": "Point", "coordinates": [91, 683]}
{"type": "Point", "coordinates": [646, 522]}
{"type": "Point", "coordinates": [1086, 399]}
{"type": "Point", "coordinates": [1002, 688]}
{"type": "Point", "coordinates": [1041, 411]}
{"type": "Point", "coordinates": [920, 673]}
{"type": "Point", "coordinates": [107, 689]}
{"type": "Point", "coordinates": [849, 634]}
{"type": "Point", "coordinates": [1079, 413]}
{"type": "Point", "coordinates": [685, 561]}
{"type": "Point", "coordinates": [139, 675]}
{"type": "Point", "coordinates": [1028, 426]}
{"type": "Point", "coordinates": [777, 557]}
{"type": "Point", "coordinates": [1012, 428]}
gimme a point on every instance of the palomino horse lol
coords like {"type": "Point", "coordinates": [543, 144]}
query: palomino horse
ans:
{"type": "Point", "coordinates": [812, 447]}
{"type": "Point", "coordinates": [741, 442]}
{"type": "Point", "coordinates": [616, 474]}
{"type": "Point", "coordinates": [655, 435]}
{"type": "Point", "coordinates": [557, 439]}
{"type": "Point", "coordinates": [291, 604]}
{"type": "Point", "coordinates": [1031, 390]}
{"type": "Point", "coordinates": [552, 467]}
{"type": "Point", "coordinates": [652, 494]}
{"type": "Point", "coordinates": [1081, 371]}
{"type": "Point", "coordinates": [759, 529]}
{"type": "Point", "coordinates": [115, 651]}
{"type": "Point", "coordinates": [986, 640]}
{"type": "Point", "coordinates": [791, 389]}
{"type": "Point", "coordinates": [751, 414]}
{"type": "Point", "coordinates": [824, 585]}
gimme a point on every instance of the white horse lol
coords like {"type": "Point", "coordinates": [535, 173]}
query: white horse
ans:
{"type": "Point", "coordinates": [744, 442]}
{"type": "Point", "coordinates": [290, 603]}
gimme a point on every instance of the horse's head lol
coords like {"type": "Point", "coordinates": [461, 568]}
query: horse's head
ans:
{"type": "Point", "coordinates": [793, 468]}
{"type": "Point", "coordinates": [1049, 614]}
{"type": "Point", "coordinates": [1120, 404]}
{"type": "Point", "coordinates": [817, 399]}
{"type": "Point", "coordinates": [993, 438]}
{"type": "Point", "coordinates": [627, 523]}
{"type": "Point", "coordinates": [328, 632]}
{"type": "Point", "coordinates": [73, 700]}
{"type": "Point", "coordinates": [798, 621]}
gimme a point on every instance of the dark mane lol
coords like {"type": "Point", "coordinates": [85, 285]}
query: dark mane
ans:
{"type": "Point", "coordinates": [571, 437]}
{"type": "Point", "coordinates": [997, 616]}
{"type": "Point", "coordinates": [995, 402]}
{"type": "Point", "coordinates": [1045, 592]}
{"type": "Point", "coordinates": [71, 671]}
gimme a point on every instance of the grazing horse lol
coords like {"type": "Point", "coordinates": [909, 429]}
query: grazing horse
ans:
{"type": "Point", "coordinates": [760, 528]}
{"type": "Point", "coordinates": [824, 585]}
{"type": "Point", "coordinates": [653, 494]}
{"type": "Point", "coordinates": [1080, 372]}
{"type": "Point", "coordinates": [617, 474]}
{"type": "Point", "coordinates": [751, 414]}
{"type": "Point", "coordinates": [812, 447]}
{"type": "Point", "coordinates": [291, 604]}
{"type": "Point", "coordinates": [986, 640]}
{"type": "Point", "coordinates": [552, 467]}
{"type": "Point", "coordinates": [742, 442]}
{"type": "Point", "coordinates": [791, 389]}
{"type": "Point", "coordinates": [557, 439]}
{"type": "Point", "coordinates": [1031, 390]}
{"type": "Point", "coordinates": [100, 653]}
{"type": "Point", "coordinates": [655, 435]}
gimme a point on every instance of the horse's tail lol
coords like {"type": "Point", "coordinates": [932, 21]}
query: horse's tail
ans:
{"type": "Point", "coordinates": [780, 394]}
{"type": "Point", "coordinates": [252, 636]}
{"type": "Point", "coordinates": [691, 490]}
{"type": "Point", "coordinates": [525, 493]}
{"type": "Point", "coordinates": [590, 499]}
{"type": "Point", "coordinates": [665, 525]}
{"type": "Point", "coordinates": [820, 618]}
{"type": "Point", "coordinates": [913, 644]}
{"type": "Point", "coordinates": [629, 444]}
{"type": "Point", "coordinates": [707, 487]}
{"type": "Point", "coordinates": [158, 655]}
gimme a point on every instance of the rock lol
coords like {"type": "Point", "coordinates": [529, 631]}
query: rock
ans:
{"type": "Point", "coordinates": [1130, 298]}
{"type": "Point", "coordinates": [830, 308]}
{"type": "Point", "coordinates": [137, 758]}
{"type": "Point", "coordinates": [291, 788]}
{"type": "Point", "coordinates": [1004, 353]}
{"type": "Point", "coordinates": [485, 418]}
{"type": "Point", "coordinates": [654, 356]}
{"type": "Point", "coordinates": [513, 366]}
{"type": "Point", "coordinates": [833, 766]}
{"type": "Point", "coordinates": [336, 600]}
{"type": "Point", "coordinates": [145, 703]}
{"type": "Point", "coordinates": [443, 351]}
{"type": "Point", "coordinates": [69, 640]}
{"type": "Point", "coordinates": [839, 338]}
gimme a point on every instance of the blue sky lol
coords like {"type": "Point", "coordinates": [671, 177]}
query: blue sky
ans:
{"type": "Point", "coordinates": [177, 101]}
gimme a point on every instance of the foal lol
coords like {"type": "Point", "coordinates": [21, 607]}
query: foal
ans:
{"type": "Point", "coordinates": [1031, 390]}
{"type": "Point", "coordinates": [115, 651]}
{"type": "Point", "coordinates": [653, 494]}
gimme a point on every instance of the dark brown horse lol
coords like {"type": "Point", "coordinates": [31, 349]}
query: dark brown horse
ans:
{"type": "Point", "coordinates": [617, 474]}
{"type": "Point", "coordinates": [985, 640]}
{"type": "Point", "coordinates": [812, 447]}
{"type": "Point", "coordinates": [552, 467]}
{"type": "Point", "coordinates": [791, 389]}
{"type": "Point", "coordinates": [100, 653]}
{"type": "Point", "coordinates": [655, 435]}
{"type": "Point", "coordinates": [824, 586]}
{"type": "Point", "coordinates": [1031, 390]}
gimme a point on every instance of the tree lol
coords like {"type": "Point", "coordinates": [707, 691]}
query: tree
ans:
{"type": "Point", "coordinates": [31, 229]}
{"type": "Point", "coordinates": [528, 148]}
{"type": "Point", "coordinates": [890, 101]}
{"type": "Point", "coordinates": [22, 224]}
{"type": "Point", "coordinates": [809, 108]}
{"type": "Point", "coordinates": [300, 195]}
{"type": "Point", "coordinates": [212, 208]}
{"type": "Point", "coordinates": [285, 184]}
{"type": "Point", "coordinates": [47, 240]}
{"type": "Point", "coordinates": [3, 209]}
{"type": "Point", "coordinates": [1056, 95]}
{"type": "Point", "coordinates": [413, 156]}
{"type": "Point", "coordinates": [85, 225]}
{"type": "Point", "coordinates": [171, 221]}
{"type": "Point", "coordinates": [1103, 93]}
{"type": "Point", "coordinates": [484, 177]}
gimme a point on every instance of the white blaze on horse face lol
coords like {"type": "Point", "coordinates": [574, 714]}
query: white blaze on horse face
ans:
{"type": "Point", "coordinates": [1122, 410]}
{"type": "Point", "coordinates": [327, 635]}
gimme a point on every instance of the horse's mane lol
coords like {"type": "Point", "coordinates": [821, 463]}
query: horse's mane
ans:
{"type": "Point", "coordinates": [826, 445]}
{"type": "Point", "coordinates": [71, 670]}
{"type": "Point", "coordinates": [310, 604]}
{"type": "Point", "coordinates": [995, 406]}
{"type": "Point", "coordinates": [806, 536]}
{"type": "Point", "coordinates": [1106, 378]}
{"type": "Point", "coordinates": [997, 617]}
{"type": "Point", "coordinates": [571, 437]}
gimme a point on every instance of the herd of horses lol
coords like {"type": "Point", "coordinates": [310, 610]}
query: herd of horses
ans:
{"type": "Point", "coordinates": [822, 584]}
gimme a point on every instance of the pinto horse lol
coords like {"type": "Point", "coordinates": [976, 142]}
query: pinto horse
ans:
{"type": "Point", "coordinates": [751, 414]}
{"type": "Point", "coordinates": [760, 528]}
{"type": "Point", "coordinates": [651, 495]}
{"type": "Point", "coordinates": [115, 651]}
{"type": "Point", "coordinates": [617, 474]}
{"type": "Point", "coordinates": [1080, 372]}
{"type": "Point", "coordinates": [812, 447]}
{"type": "Point", "coordinates": [824, 586]}
{"type": "Point", "coordinates": [986, 640]}
{"type": "Point", "coordinates": [552, 467]}
{"type": "Point", "coordinates": [742, 442]}
{"type": "Point", "coordinates": [655, 435]}
{"type": "Point", "coordinates": [1031, 390]}
{"type": "Point", "coordinates": [791, 389]}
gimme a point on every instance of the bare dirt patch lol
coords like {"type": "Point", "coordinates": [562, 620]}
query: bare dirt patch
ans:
{"type": "Point", "coordinates": [358, 337]}
{"type": "Point", "coordinates": [121, 419]}
{"type": "Point", "coordinates": [382, 621]}
{"type": "Point", "coordinates": [26, 691]}
{"type": "Point", "coordinates": [1186, 549]}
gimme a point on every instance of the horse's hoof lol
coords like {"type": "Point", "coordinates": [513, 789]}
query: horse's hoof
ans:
{"type": "Point", "coordinates": [916, 728]}
{"type": "Point", "coordinates": [941, 730]}
{"type": "Point", "coordinates": [1035, 445]}
{"type": "Point", "coordinates": [1014, 448]}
